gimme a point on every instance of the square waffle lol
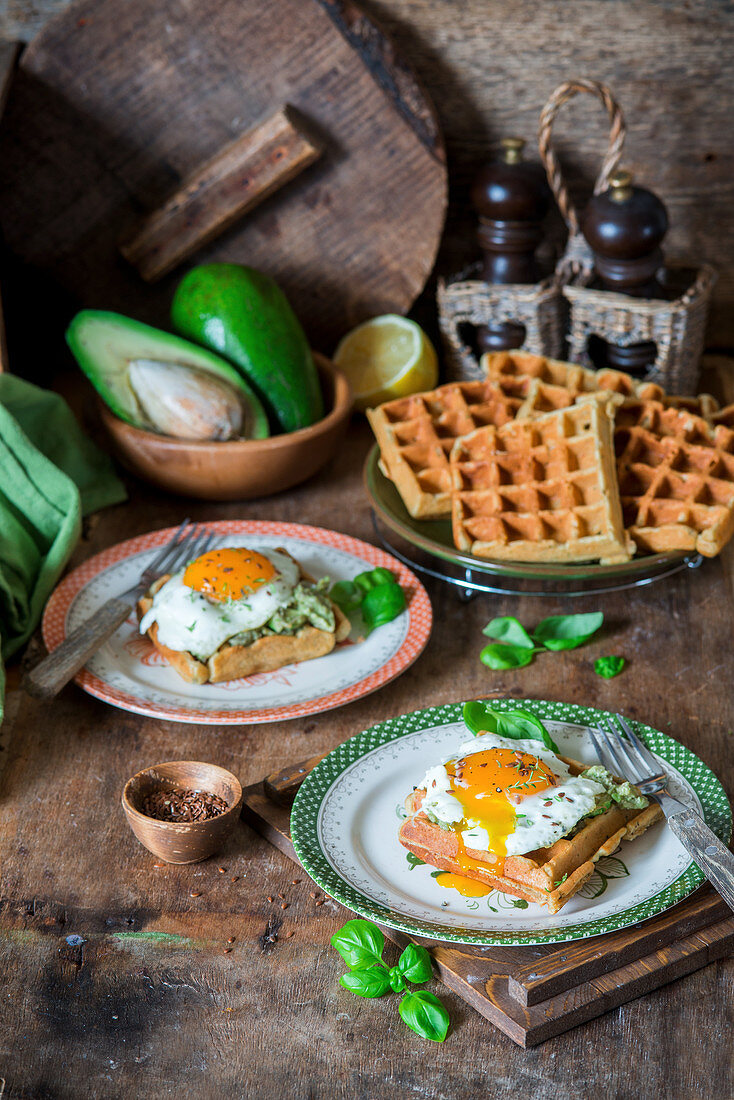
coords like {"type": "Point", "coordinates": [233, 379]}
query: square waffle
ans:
{"type": "Point", "coordinates": [576, 380]}
{"type": "Point", "coordinates": [415, 435]}
{"type": "Point", "coordinates": [540, 489]}
{"type": "Point", "coordinates": [547, 876]}
{"type": "Point", "coordinates": [676, 478]}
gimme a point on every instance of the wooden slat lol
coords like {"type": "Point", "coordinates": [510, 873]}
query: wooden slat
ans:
{"type": "Point", "coordinates": [216, 195]}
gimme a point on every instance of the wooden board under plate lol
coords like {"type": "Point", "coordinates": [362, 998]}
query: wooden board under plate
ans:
{"type": "Point", "coordinates": [534, 993]}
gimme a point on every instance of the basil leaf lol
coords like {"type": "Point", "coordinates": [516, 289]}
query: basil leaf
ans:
{"type": "Point", "coordinates": [609, 666]}
{"type": "Point", "coordinates": [372, 578]}
{"type": "Point", "coordinates": [346, 595]}
{"type": "Point", "coordinates": [567, 631]}
{"type": "Point", "coordinates": [499, 656]}
{"type": "Point", "coordinates": [424, 1014]}
{"type": "Point", "coordinates": [415, 964]}
{"type": "Point", "coordinates": [366, 983]}
{"type": "Point", "coordinates": [507, 629]}
{"type": "Point", "coordinates": [520, 725]}
{"type": "Point", "coordinates": [382, 604]}
{"type": "Point", "coordinates": [360, 943]}
{"type": "Point", "coordinates": [516, 724]}
{"type": "Point", "coordinates": [397, 982]}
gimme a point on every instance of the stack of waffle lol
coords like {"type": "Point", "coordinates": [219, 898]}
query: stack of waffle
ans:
{"type": "Point", "coordinates": [548, 461]}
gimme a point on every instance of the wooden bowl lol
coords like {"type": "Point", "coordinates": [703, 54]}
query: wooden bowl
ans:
{"type": "Point", "coordinates": [185, 842]}
{"type": "Point", "coordinates": [241, 469]}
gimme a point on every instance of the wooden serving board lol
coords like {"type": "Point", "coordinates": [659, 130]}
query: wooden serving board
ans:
{"type": "Point", "coordinates": [115, 105]}
{"type": "Point", "coordinates": [534, 993]}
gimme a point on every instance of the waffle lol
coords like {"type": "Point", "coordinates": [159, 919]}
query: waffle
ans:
{"type": "Point", "coordinates": [540, 489]}
{"type": "Point", "coordinates": [503, 365]}
{"type": "Point", "coordinates": [547, 876]}
{"type": "Point", "coordinates": [266, 654]}
{"type": "Point", "coordinates": [676, 478]}
{"type": "Point", "coordinates": [416, 434]}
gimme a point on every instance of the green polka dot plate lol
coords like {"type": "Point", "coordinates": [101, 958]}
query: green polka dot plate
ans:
{"type": "Point", "coordinates": [347, 813]}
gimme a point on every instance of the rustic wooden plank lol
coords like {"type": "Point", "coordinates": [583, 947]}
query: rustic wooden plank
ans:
{"type": "Point", "coordinates": [136, 98]}
{"type": "Point", "coordinates": [216, 195]}
{"type": "Point", "coordinates": [66, 852]}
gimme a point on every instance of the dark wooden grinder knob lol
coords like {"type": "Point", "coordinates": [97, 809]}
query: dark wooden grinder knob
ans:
{"type": "Point", "coordinates": [624, 227]}
{"type": "Point", "coordinates": [511, 197]}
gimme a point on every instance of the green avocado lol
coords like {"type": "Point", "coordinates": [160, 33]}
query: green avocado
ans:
{"type": "Point", "coordinates": [243, 315]}
{"type": "Point", "coordinates": [106, 344]}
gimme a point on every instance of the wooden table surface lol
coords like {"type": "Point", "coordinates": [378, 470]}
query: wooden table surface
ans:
{"type": "Point", "coordinates": [149, 1004]}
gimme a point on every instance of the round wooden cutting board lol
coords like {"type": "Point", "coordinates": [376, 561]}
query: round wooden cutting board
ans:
{"type": "Point", "coordinates": [114, 104]}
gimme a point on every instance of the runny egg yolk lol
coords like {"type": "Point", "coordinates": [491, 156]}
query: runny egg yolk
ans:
{"type": "Point", "coordinates": [488, 784]}
{"type": "Point", "coordinates": [229, 574]}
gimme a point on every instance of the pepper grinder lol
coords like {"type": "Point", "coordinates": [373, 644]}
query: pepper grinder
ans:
{"type": "Point", "coordinates": [511, 197]}
{"type": "Point", "coordinates": [624, 227]}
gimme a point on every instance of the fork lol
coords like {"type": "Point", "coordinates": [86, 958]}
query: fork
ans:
{"type": "Point", "coordinates": [632, 760]}
{"type": "Point", "coordinates": [51, 674]}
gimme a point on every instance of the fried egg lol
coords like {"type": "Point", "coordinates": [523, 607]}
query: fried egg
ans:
{"type": "Point", "coordinates": [506, 797]}
{"type": "Point", "coordinates": [218, 595]}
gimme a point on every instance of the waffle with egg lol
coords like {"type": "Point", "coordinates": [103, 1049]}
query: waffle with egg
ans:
{"type": "Point", "coordinates": [547, 876]}
{"type": "Point", "coordinates": [540, 490]}
{"type": "Point", "coordinates": [676, 478]}
{"type": "Point", "coordinates": [265, 654]}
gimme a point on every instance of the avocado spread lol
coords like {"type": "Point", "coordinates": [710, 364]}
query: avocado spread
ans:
{"type": "Point", "coordinates": [308, 606]}
{"type": "Point", "coordinates": [624, 794]}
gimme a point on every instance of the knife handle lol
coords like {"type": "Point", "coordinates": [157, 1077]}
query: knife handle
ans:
{"type": "Point", "coordinates": [50, 675]}
{"type": "Point", "coordinates": [710, 853]}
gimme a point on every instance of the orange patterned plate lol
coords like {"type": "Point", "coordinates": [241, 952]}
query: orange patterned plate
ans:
{"type": "Point", "coordinates": [129, 673]}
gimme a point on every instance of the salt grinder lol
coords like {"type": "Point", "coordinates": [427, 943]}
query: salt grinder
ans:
{"type": "Point", "coordinates": [511, 197]}
{"type": "Point", "coordinates": [624, 227]}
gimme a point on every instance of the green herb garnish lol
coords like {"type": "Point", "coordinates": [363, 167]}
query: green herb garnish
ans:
{"type": "Point", "coordinates": [507, 629]}
{"type": "Point", "coordinates": [375, 593]}
{"type": "Point", "coordinates": [518, 725]}
{"type": "Point", "coordinates": [424, 1014]}
{"type": "Point", "coordinates": [505, 656]}
{"type": "Point", "coordinates": [514, 647]}
{"type": "Point", "coordinates": [567, 631]}
{"type": "Point", "coordinates": [361, 943]}
{"type": "Point", "coordinates": [609, 666]}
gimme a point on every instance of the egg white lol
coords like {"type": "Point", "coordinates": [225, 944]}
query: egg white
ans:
{"type": "Point", "coordinates": [188, 620]}
{"type": "Point", "coordinates": [536, 825]}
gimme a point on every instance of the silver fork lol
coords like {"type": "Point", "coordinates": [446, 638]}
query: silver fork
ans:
{"type": "Point", "coordinates": [630, 759]}
{"type": "Point", "coordinates": [50, 675]}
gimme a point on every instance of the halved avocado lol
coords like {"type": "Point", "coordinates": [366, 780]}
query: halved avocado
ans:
{"type": "Point", "coordinates": [104, 344]}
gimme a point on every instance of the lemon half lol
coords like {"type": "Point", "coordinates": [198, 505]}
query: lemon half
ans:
{"type": "Point", "coordinates": [387, 357]}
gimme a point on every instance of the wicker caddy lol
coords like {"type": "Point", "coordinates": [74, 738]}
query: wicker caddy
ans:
{"type": "Point", "coordinates": [469, 300]}
{"type": "Point", "coordinates": [677, 327]}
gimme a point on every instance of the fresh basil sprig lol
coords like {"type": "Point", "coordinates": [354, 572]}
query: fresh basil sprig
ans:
{"type": "Point", "coordinates": [508, 629]}
{"type": "Point", "coordinates": [518, 724]}
{"type": "Point", "coordinates": [514, 647]}
{"type": "Point", "coordinates": [609, 667]}
{"type": "Point", "coordinates": [372, 982]}
{"type": "Point", "coordinates": [424, 1013]}
{"type": "Point", "coordinates": [499, 657]}
{"type": "Point", "coordinates": [361, 943]}
{"type": "Point", "coordinates": [375, 592]}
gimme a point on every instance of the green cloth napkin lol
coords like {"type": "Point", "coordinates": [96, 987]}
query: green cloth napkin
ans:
{"type": "Point", "coordinates": [50, 475]}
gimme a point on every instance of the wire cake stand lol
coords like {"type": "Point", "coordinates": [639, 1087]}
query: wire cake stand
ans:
{"type": "Point", "coordinates": [427, 546]}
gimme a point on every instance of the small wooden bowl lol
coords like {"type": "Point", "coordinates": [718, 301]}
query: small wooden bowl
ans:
{"type": "Point", "coordinates": [241, 469]}
{"type": "Point", "coordinates": [187, 842]}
